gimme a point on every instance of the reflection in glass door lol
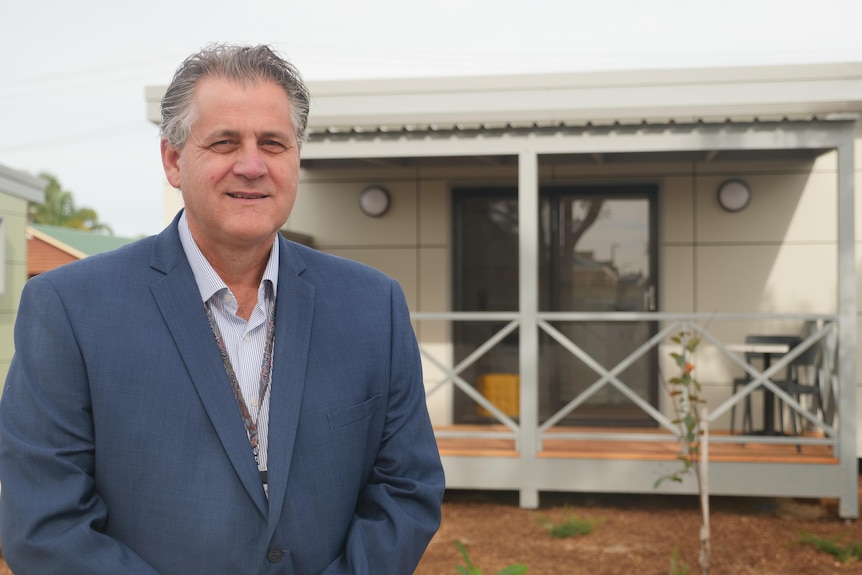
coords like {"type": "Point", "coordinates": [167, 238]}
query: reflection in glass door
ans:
{"type": "Point", "coordinates": [598, 253]}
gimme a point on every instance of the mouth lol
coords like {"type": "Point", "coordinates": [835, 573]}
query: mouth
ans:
{"type": "Point", "coordinates": [246, 196]}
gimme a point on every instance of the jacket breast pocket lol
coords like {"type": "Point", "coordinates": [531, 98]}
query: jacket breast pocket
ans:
{"type": "Point", "coordinates": [354, 413]}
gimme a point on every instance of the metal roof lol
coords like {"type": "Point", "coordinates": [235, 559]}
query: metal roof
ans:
{"type": "Point", "coordinates": [684, 96]}
{"type": "Point", "coordinates": [765, 93]}
{"type": "Point", "coordinates": [79, 243]}
{"type": "Point", "coordinates": [22, 185]}
{"type": "Point", "coordinates": [421, 121]}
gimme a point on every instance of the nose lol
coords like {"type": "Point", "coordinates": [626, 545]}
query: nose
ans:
{"type": "Point", "coordinates": [249, 162]}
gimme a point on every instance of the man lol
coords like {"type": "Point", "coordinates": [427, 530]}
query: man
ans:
{"type": "Point", "coordinates": [216, 399]}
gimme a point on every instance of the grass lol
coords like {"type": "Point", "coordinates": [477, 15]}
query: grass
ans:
{"type": "Point", "coordinates": [470, 569]}
{"type": "Point", "coordinates": [843, 551]}
{"type": "Point", "coordinates": [570, 526]}
{"type": "Point", "coordinates": [677, 565]}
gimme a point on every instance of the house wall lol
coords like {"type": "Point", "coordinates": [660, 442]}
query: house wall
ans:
{"type": "Point", "coordinates": [13, 211]}
{"type": "Point", "coordinates": [779, 255]}
{"type": "Point", "coordinates": [411, 242]}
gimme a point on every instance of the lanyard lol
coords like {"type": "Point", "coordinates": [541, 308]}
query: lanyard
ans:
{"type": "Point", "coordinates": [263, 386]}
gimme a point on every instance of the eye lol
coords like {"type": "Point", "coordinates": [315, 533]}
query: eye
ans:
{"type": "Point", "coordinates": [223, 146]}
{"type": "Point", "coordinates": [273, 146]}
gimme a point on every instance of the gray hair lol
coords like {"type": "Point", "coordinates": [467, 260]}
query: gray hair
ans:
{"type": "Point", "coordinates": [246, 65]}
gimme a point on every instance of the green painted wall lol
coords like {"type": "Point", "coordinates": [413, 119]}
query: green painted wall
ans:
{"type": "Point", "coordinates": [13, 212]}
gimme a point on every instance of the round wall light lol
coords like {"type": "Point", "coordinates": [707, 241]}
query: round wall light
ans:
{"type": "Point", "coordinates": [734, 195]}
{"type": "Point", "coordinates": [374, 201]}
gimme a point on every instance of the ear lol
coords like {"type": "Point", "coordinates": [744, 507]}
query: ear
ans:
{"type": "Point", "coordinates": [171, 163]}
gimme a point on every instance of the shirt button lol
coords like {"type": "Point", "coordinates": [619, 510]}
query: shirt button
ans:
{"type": "Point", "coordinates": [255, 402]}
{"type": "Point", "coordinates": [275, 555]}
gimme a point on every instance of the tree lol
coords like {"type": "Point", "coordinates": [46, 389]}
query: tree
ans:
{"type": "Point", "coordinates": [59, 210]}
{"type": "Point", "coordinates": [692, 419]}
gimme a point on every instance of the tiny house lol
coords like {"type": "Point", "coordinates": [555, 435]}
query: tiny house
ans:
{"type": "Point", "coordinates": [554, 232]}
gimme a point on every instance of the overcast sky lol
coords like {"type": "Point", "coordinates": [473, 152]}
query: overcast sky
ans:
{"type": "Point", "coordinates": [73, 73]}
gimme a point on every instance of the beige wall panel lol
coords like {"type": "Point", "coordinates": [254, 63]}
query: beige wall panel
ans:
{"type": "Point", "coordinates": [329, 212]}
{"type": "Point", "coordinates": [435, 213]}
{"type": "Point", "coordinates": [372, 174]}
{"type": "Point", "coordinates": [627, 172]}
{"type": "Point", "coordinates": [435, 335]}
{"type": "Point", "coordinates": [857, 207]}
{"type": "Point", "coordinates": [858, 283]}
{"type": "Point", "coordinates": [785, 207]}
{"type": "Point", "coordinates": [816, 215]}
{"type": "Point", "coordinates": [676, 287]}
{"type": "Point", "coordinates": [675, 204]}
{"type": "Point", "coordinates": [857, 148]}
{"type": "Point", "coordinates": [435, 285]}
{"type": "Point", "coordinates": [721, 167]}
{"type": "Point", "coordinates": [399, 264]}
{"type": "Point", "coordinates": [712, 367]}
{"type": "Point", "coordinates": [766, 278]}
{"type": "Point", "coordinates": [434, 295]}
{"type": "Point", "coordinates": [827, 162]}
{"type": "Point", "coordinates": [716, 395]}
{"type": "Point", "coordinates": [493, 173]}
{"type": "Point", "coordinates": [439, 396]}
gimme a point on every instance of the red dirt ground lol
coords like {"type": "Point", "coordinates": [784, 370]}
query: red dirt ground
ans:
{"type": "Point", "coordinates": [636, 535]}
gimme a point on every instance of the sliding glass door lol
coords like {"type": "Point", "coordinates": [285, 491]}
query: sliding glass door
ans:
{"type": "Point", "coordinates": [598, 253]}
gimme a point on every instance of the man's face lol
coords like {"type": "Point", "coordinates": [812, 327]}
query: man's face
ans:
{"type": "Point", "coordinates": [239, 169]}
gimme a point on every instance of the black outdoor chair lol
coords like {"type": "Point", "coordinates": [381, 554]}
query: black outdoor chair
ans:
{"type": "Point", "coordinates": [803, 382]}
{"type": "Point", "coordinates": [756, 359]}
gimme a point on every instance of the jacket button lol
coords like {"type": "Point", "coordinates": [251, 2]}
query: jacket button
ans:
{"type": "Point", "coordinates": [275, 555]}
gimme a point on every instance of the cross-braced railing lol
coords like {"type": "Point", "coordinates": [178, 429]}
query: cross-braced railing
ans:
{"type": "Point", "coordinates": [822, 333]}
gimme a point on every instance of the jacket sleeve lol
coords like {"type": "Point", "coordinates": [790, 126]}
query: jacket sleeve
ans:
{"type": "Point", "coordinates": [51, 516]}
{"type": "Point", "coordinates": [399, 507]}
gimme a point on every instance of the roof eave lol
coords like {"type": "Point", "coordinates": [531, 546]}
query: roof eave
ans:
{"type": "Point", "coordinates": [607, 97]}
{"type": "Point", "coordinates": [54, 242]}
{"type": "Point", "coordinates": [22, 185]}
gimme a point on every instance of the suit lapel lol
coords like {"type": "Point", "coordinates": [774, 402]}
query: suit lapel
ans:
{"type": "Point", "coordinates": [292, 340]}
{"type": "Point", "coordinates": [179, 300]}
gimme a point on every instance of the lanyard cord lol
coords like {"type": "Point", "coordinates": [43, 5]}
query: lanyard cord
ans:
{"type": "Point", "coordinates": [265, 374]}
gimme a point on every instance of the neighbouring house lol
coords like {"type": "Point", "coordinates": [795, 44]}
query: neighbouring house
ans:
{"type": "Point", "coordinates": [49, 247]}
{"type": "Point", "coordinates": [552, 232]}
{"type": "Point", "coordinates": [17, 190]}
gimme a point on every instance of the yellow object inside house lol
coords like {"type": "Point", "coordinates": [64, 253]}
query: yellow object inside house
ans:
{"type": "Point", "coordinates": [502, 390]}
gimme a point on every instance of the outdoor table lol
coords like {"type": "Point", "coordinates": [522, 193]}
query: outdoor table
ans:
{"type": "Point", "coordinates": [765, 350]}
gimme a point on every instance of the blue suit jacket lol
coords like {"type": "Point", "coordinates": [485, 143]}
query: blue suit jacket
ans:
{"type": "Point", "coordinates": [122, 450]}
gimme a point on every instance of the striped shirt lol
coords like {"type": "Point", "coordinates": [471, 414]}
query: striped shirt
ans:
{"type": "Point", "coordinates": [244, 340]}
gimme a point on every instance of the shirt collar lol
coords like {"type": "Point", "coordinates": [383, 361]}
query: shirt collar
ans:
{"type": "Point", "coordinates": [208, 281]}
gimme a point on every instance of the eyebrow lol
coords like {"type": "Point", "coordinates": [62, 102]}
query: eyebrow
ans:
{"type": "Point", "coordinates": [262, 135]}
